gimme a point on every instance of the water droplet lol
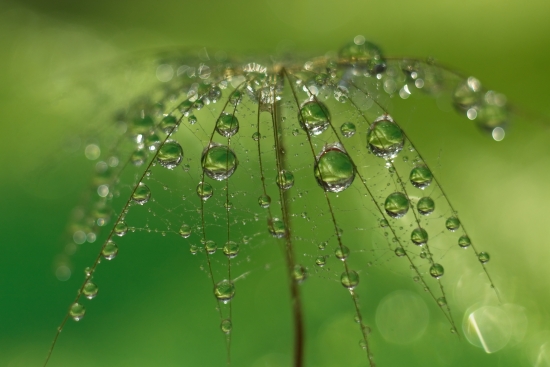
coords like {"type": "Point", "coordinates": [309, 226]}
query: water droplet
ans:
{"type": "Point", "coordinates": [363, 54]}
{"type": "Point", "coordinates": [467, 94]}
{"type": "Point", "coordinates": [452, 224]}
{"type": "Point", "coordinates": [385, 138]}
{"type": "Point", "coordinates": [464, 241]}
{"type": "Point", "coordinates": [192, 119]}
{"type": "Point", "coordinates": [236, 97]}
{"type": "Point", "coordinates": [491, 116]}
{"type": "Point", "coordinates": [77, 311]}
{"type": "Point", "coordinates": [142, 125]}
{"type": "Point", "coordinates": [276, 227]}
{"type": "Point", "coordinates": [419, 236]}
{"type": "Point", "coordinates": [142, 194]}
{"type": "Point", "coordinates": [226, 326]}
{"type": "Point", "coordinates": [204, 190]}
{"type": "Point", "coordinates": [110, 250]}
{"type": "Point", "coordinates": [421, 177]}
{"type": "Point", "coordinates": [170, 154]}
{"type": "Point", "coordinates": [483, 257]}
{"type": "Point", "coordinates": [224, 290]}
{"type": "Point", "coordinates": [90, 290]}
{"type": "Point", "coordinates": [299, 273]}
{"type": "Point", "coordinates": [400, 251]}
{"type": "Point", "coordinates": [231, 249]}
{"type": "Point", "coordinates": [341, 252]}
{"type": "Point", "coordinates": [322, 245]}
{"type": "Point", "coordinates": [384, 223]}
{"type": "Point", "coordinates": [121, 228]}
{"type": "Point", "coordinates": [227, 125]}
{"type": "Point", "coordinates": [152, 142]}
{"type": "Point", "coordinates": [436, 271]}
{"type": "Point", "coordinates": [334, 170]}
{"type": "Point", "coordinates": [210, 247]}
{"type": "Point", "coordinates": [185, 230]}
{"type": "Point", "coordinates": [168, 123]}
{"type": "Point", "coordinates": [348, 129]}
{"type": "Point", "coordinates": [425, 205]}
{"type": "Point", "coordinates": [264, 201]}
{"type": "Point", "coordinates": [442, 301]}
{"type": "Point", "coordinates": [396, 205]}
{"type": "Point", "coordinates": [314, 117]}
{"type": "Point", "coordinates": [256, 136]}
{"type": "Point", "coordinates": [285, 179]}
{"type": "Point", "coordinates": [349, 279]}
{"type": "Point", "coordinates": [218, 162]}
{"type": "Point", "coordinates": [138, 157]}
{"type": "Point", "coordinates": [321, 260]}
{"type": "Point", "coordinates": [193, 249]}
{"type": "Point", "coordinates": [88, 271]}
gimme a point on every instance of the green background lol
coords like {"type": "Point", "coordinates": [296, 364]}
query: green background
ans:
{"type": "Point", "coordinates": [501, 189]}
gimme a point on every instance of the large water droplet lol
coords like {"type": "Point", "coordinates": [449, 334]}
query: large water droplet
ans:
{"type": "Point", "coordinates": [467, 94]}
{"type": "Point", "coordinates": [421, 177]}
{"type": "Point", "coordinates": [142, 194]}
{"type": "Point", "coordinates": [218, 162]}
{"type": "Point", "coordinates": [285, 179]}
{"type": "Point", "coordinates": [90, 290]}
{"type": "Point", "coordinates": [452, 224]}
{"type": "Point", "coordinates": [419, 236]}
{"type": "Point", "coordinates": [334, 170]}
{"type": "Point", "coordinates": [227, 125]}
{"type": "Point", "coordinates": [396, 205]}
{"type": "Point", "coordinates": [349, 279]}
{"type": "Point", "coordinates": [231, 249]}
{"type": "Point", "coordinates": [276, 227]}
{"type": "Point", "coordinates": [436, 271]}
{"type": "Point", "coordinates": [224, 290]}
{"type": "Point", "coordinates": [185, 230]}
{"type": "Point", "coordinates": [425, 205]}
{"type": "Point", "coordinates": [170, 154]}
{"type": "Point", "coordinates": [314, 117]}
{"type": "Point", "coordinates": [110, 250]}
{"type": "Point", "coordinates": [341, 252]}
{"type": "Point", "coordinates": [77, 311]}
{"type": "Point", "coordinates": [204, 190]}
{"type": "Point", "coordinates": [385, 138]}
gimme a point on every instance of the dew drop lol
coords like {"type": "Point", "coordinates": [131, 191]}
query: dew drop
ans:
{"type": "Point", "coordinates": [235, 97]}
{"type": "Point", "coordinates": [193, 249]}
{"type": "Point", "coordinates": [204, 190]}
{"type": "Point", "coordinates": [385, 138]}
{"type": "Point", "coordinates": [226, 326]}
{"type": "Point", "coordinates": [110, 250]}
{"type": "Point", "coordinates": [396, 205]}
{"type": "Point", "coordinates": [231, 249]}
{"type": "Point", "coordinates": [138, 157]}
{"type": "Point", "coordinates": [483, 257]}
{"type": "Point", "coordinates": [227, 125]}
{"type": "Point", "coordinates": [400, 252]}
{"type": "Point", "coordinates": [436, 271]}
{"type": "Point", "coordinates": [168, 123]}
{"type": "Point", "coordinates": [90, 290]}
{"type": "Point", "coordinates": [452, 224]}
{"type": "Point", "coordinates": [185, 230]}
{"type": "Point", "coordinates": [299, 273]}
{"type": "Point", "coordinates": [321, 261]}
{"type": "Point", "coordinates": [464, 241]}
{"type": "Point", "coordinates": [334, 170]}
{"type": "Point", "coordinates": [349, 279]}
{"type": "Point", "coordinates": [152, 142]}
{"type": "Point", "coordinates": [224, 290]}
{"type": "Point", "coordinates": [210, 247]}
{"type": "Point", "coordinates": [341, 252]}
{"type": "Point", "coordinates": [256, 136]}
{"type": "Point", "coordinates": [276, 227]}
{"type": "Point", "coordinates": [314, 117]}
{"type": "Point", "coordinates": [192, 119]}
{"type": "Point", "coordinates": [322, 245]}
{"type": "Point", "coordinates": [442, 301]}
{"type": "Point", "coordinates": [421, 177]}
{"type": "Point", "coordinates": [419, 236]}
{"type": "Point", "coordinates": [467, 94]}
{"type": "Point", "coordinates": [363, 53]}
{"type": "Point", "coordinates": [285, 179]}
{"type": "Point", "coordinates": [218, 162]}
{"type": "Point", "coordinates": [425, 205]}
{"type": "Point", "coordinates": [142, 194]}
{"type": "Point", "coordinates": [264, 201]}
{"type": "Point", "coordinates": [348, 129]}
{"type": "Point", "coordinates": [121, 228]}
{"type": "Point", "coordinates": [142, 125]}
{"type": "Point", "coordinates": [77, 311]}
{"type": "Point", "coordinates": [384, 223]}
{"type": "Point", "coordinates": [492, 116]}
{"type": "Point", "coordinates": [170, 154]}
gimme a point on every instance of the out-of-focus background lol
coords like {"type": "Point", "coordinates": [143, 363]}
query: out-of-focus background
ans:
{"type": "Point", "coordinates": [500, 188]}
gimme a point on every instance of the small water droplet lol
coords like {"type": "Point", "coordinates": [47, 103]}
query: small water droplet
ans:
{"type": "Point", "coordinates": [436, 271]}
{"type": "Point", "coordinates": [419, 236]}
{"type": "Point", "coordinates": [168, 123]}
{"type": "Point", "coordinates": [138, 157]}
{"type": "Point", "coordinates": [192, 119]}
{"type": "Point", "coordinates": [227, 125]}
{"type": "Point", "coordinates": [226, 326]}
{"type": "Point", "coordinates": [121, 228]}
{"type": "Point", "coordinates": [142, 125]}
{"type": "Point", "coordinates": [334, 170]}
{"type": "Point", "coordinates": [193, 249]}
{"type": "Point", "coordinates": [264, 201]}
{"type": "Point", "coordinates": [185, 230]}
{"type": "Point", "coordinates": [77, 311]}
{"type": "Point", "coordinates": [231, 249]}
{"type": "Point", "coordinates": [299, 273]}
{"type": "Point", "coordinates": [348, 129]}
{"type": "Point", "coordinates": [341, 252]}
{"type": "Point", "coordinates": [90, 290]}
{"type": "Point", "coordinates": [442, 301]}
{"type": "Point", "coordinates": [321, 260]}
{"type": "Point", "coordinates": [142, 194]}
{"type": "Point", "coordinates": [421, 177]}
{"type": "Point", "coordinates": [210, 247]}
{"type": "Point", "coordinates": [322, 245]}
{"type": "Point", "coordinates": [256, 136]}
{"type": "Point", "coordinates": [314, 117]}
{"type": "Point", "coordinates": [467, 94]}
{"type": "Point", "coordinates": [218, 161]}
{"type": "Point", "coordinates": [276, 227]}
{"type": "Point", "coordinates": [425, 205]}
{"type": "Point", "coordinates": [110, 250]}
{"type": "Point", "coordinates": [452, 223]}
{"type": "Point", "coordinates": [384, 223]}
{"type": "Point", "coordinates": [224, 290]}
{"type": "Point", "coordinates": [170, 154]}
{"type": "Point", "coordinates": [385, 138]}
{"type": "Point", "coordinates": [464, 241]}
{"type": "Point", "coordinates": [349, 279]}
{"type": "Point", "coordinates": [396, 205]}
{"type": "Point", "coordinates": [483, 257]}
{"type": "Point", "coordinates": [400, 251]}
{"type": "Point", "coordinates": [204, 190]}
{"type": "Point", "coordinates": [285, 179]}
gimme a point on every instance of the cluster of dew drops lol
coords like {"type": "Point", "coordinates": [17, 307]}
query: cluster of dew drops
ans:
{"type": "Point", "coordinates": [334, 170]}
